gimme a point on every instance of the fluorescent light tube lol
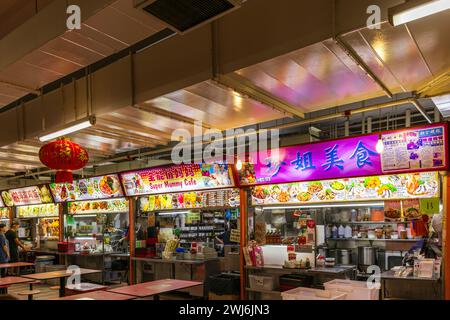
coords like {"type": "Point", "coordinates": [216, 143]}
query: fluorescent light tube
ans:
{"type": "Point", "coordinates": [416, 9]}
{"type": "Point", "coordinates": [171, 213]}
{"type": "Point", "coordinates": [77, 126]}
{"type": "Point", "coordinates": [330, 205]}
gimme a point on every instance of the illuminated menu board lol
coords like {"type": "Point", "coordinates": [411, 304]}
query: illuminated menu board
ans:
{"type": "Point", "coordinates": [27, 196]}
{"type": "Point", "coordinates": [422, 148]}
{"type": "Point", "coordinates": [177, 178]}
{"type": "Point", "coordinates": [407, 150]}
{"type": "Point", "coordinates": [386, 187]}
{"type": "Point", "coordinates": [190, 200]}
{"type": "Point", "coordinates": [38, 211]}
{"type": "Point", "coordinates": [104, 206]}
{"type": "Point", "coordinates": [94, 188]}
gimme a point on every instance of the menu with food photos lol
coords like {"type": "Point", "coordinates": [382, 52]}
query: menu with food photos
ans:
{"type": "Point", "coordinates": [177, 178]}
{"type": "Point", "coordinates": [27, 196]}
{"type": "Point", "coordinates": [411, 209]}
{"type": "Point", "coordinates": [393, 210]}
{"type": "Point", "coordinates": [191, 200]}
{"type": "Point", "coordinates": [103, 206]}
{"type": "Point", "coordinates": [95, 188]}
{"type": "Point", "coordinates": [415, 149]}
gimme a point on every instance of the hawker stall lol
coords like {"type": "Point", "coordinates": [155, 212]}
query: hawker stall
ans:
{"type": "Point", "coordinates": [186, 216]}
{"type": "Point", "coordinates": [5, 214]}
{"type": "Point", "coordinates": [95, 225]}
{"type": "Point", "coordinates": [347, 209]}
{"type": "Point", "coordinates": [37, 214]}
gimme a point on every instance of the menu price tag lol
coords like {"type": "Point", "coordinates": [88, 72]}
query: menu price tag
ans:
{"type": "Point", "coordinates": [192, 217]}
{"type": "Point", "coordinates": [235, 235]}
{"type": "Point", "coordinates": [429, 205]}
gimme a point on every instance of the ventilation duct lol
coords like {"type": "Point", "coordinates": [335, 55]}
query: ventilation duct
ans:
{"type": "Point", "coordinates": [184, 15]}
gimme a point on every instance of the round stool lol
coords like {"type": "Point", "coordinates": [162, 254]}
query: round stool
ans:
{"type": "Point", "coordinates": [29, 293]}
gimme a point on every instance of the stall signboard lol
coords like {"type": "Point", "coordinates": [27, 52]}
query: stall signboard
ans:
{"type": "Point", "coordinates": [94, 207]}
{"type": "Point", "coordinates": [429, 206]}
{"type": "Point", "coordinates": [191, 200]}
{"type": "Point", "coordinates": [38, 211]}
{"type": "Point", "coordinates": [177, 178]}
{"type": "Point", "coordinates": [408, 150]}
{"type": "Point", "coordinates": [95, 188]}
{"type": "Point", "coordinates": [28, 196]}
{"type": "Point", "coordinates": [321, 160]}
{"type": "Point", "coordinates": [422, 148]}
{"type": "Point", "coordinates": [385, 187]}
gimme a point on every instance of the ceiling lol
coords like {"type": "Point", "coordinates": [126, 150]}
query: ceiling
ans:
{"type": "Point", "coordinates": [101, 35]}
{"type": "Point", "coordinates": [322, 75]}
{"type": "Point", "coordinates": [313, 78]}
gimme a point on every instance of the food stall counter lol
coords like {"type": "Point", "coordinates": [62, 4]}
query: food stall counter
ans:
{"type": "Point", "coordinates": [197, 261]}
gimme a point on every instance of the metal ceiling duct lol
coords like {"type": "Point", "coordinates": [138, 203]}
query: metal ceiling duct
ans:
{"type": "Point", "coordinates": [185, 15]}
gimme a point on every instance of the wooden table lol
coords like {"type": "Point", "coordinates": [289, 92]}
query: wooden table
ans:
{"type": "Point", "coordinates": [98, 295]}
{"type": "Point", "coordinates": [61, 275]}
{"type": "Point", "coordinates": [155, 288]}
{"type": "Point", "coordinates": [16, 265]}
{"type": "Point", "coordinates": [9, 281]}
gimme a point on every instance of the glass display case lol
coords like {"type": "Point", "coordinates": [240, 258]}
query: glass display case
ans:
{"type": "Point", "coordinates": [98, 226]}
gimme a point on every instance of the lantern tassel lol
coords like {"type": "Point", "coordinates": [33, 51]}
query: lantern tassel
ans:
{"type": "Point", "coordinates": [65, 176]}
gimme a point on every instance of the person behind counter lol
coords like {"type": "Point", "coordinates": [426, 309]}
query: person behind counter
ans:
{"type": "Point", "coordinates": [4, 249]}
{"type": "Point", "coordinates": [14, 242]}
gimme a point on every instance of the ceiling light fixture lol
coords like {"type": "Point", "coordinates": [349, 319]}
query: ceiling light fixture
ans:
{"type": "Point", "coordinates": [73, 127]}
{"type": "Point", "coordinates": [172, 213]}
{"type": "Point", "coordinates": [380, 146]}
{"type": "Point", "coordinates": [416, 9]}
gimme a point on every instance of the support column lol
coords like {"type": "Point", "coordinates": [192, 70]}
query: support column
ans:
{"type": "Point", "coordinates": [445, 235]}
{"type": "Point", "coordinates": [243, 235]}
{"type": "Point", "coordinates": [131, 239]}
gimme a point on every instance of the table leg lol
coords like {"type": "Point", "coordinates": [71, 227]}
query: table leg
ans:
{"type": "Point", "coordinates": [62, 287]}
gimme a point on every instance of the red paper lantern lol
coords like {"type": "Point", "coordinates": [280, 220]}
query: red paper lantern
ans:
{"type": "Point", "coordinates": [64, 156]}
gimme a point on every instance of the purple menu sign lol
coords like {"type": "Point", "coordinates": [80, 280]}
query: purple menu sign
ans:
{"type": "Point", "coordinates": [348, 157]}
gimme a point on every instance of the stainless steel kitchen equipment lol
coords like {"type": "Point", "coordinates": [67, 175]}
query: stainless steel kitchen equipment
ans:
{"type": "Point", "coordinates": [367, 256]}
{"type": "Point", "coordinates": [344, 256]}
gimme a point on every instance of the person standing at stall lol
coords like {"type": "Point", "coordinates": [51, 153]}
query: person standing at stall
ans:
{"type": "Point", "coordinates": [4, 249]}
{"type": "Point", "coordinates": [14, 242]}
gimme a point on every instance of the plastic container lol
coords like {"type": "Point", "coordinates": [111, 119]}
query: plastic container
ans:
{"type": "Point", "coordinates": [355, 290]}
{"type": "Point", "coordinates": [292, 281]}
{"type": "Point", "coordinates": [225, 284]}
{"type": "Point", "coordinates": [312, 294]}
{"type": "Point", "coordinates": [42, 261]}
{"type": "Point", "coordinates": [261, 282]}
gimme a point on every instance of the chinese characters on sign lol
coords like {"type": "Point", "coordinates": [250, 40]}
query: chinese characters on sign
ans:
{"type": "Point", "coordinates": [176, 178]}
{"type": "Point", "coordinates": [409, 150]}
{"type": "Point", "coordinates": [30, 195]}
{"type": "Point", "coordinates": [385, 187]}
{"type": "Point", "coordinates": [322, 160]}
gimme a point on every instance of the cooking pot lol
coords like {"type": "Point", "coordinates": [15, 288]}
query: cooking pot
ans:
{"type": "Point", "coordinates": [367, 256]}
{"type": "Point", "coordinates": [344, 256]}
